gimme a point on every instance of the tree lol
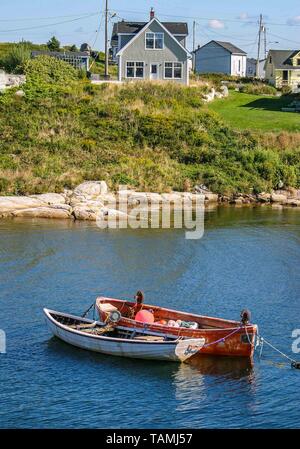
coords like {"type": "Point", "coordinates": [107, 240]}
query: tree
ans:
{"type": "Point", "coordinates": [53, 44]}
{"type": "Point", "coordinates": [73, 48]}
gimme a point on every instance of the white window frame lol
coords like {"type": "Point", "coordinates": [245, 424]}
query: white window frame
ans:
{"type": "Point", "coordinates": [154, 40]}
{"type": "Point", "coordinates": [173, 62]}
{"type": "Point", "coordinates": [134, 69]}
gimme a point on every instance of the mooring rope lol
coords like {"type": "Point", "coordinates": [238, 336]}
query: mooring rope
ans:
{"type": "Point", "coordinates": [87, 311]}
{"type": "Point", "coordinates": [222, 339]}
{"type": "Point", "coordinates": [294, 362]}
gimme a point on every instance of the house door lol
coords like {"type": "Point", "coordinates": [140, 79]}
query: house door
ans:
{"type": "Point", "coordinates": [154, 72]}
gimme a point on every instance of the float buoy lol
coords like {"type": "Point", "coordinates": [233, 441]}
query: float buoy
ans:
{"type": "Point", "coordinates": [144, 317]}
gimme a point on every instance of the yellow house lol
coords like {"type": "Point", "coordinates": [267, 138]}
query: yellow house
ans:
{"type": "Point", "coordinates": [283, 69]}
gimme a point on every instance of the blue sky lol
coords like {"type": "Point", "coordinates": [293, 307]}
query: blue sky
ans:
{"type": "Point", "coordinates": [75, 21]}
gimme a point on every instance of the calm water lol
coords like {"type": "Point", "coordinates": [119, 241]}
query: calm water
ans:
{"type": "Point", "coordinates": [247, 258]}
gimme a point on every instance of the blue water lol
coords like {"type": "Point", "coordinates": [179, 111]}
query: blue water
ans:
{"type": "Point", "coordinates": [247, 258]}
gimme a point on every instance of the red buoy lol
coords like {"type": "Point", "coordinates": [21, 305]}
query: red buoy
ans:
{"type": "Point", "coordinates": [144, 317]}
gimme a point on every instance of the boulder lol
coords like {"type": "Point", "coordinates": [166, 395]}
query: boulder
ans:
{"type": "Point", "coordinates": [211, 197]}
{"type": "Point", "coordinates": [264, 197]}
{"type": "Point", "coordinates": [219, 95]}
{"type": "Point", "coordinates": [20, 93]}
{"type": "Point", "coordinates": [171, 197]}
{"type": "Point", "coordinates": [85, 213]}
{"type": "Point", "coordinates": [44, 212]}
{"type": "Point", "coordinates": [278, 198]}
{"type": "Point", "coordinates": [293, 193]}
{"type": "Point", "coordinates": [50, 198]}
{"type": "Point", "coordinates": [292, 202]}
{"type": "Point", "coordinates": [11, 203]}
{"type": "Point", "coordinates": [207, 98]}
{"type": "Point", "coordinates": [91, 189]}
{"type": "Point", "coordinates": [225, 91]}
{"type": "Point", "coordinates": [201, 189]}
{"type": "Point", "coordinates": [113, 214]}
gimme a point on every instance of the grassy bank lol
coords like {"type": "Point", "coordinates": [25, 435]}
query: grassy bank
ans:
{"type": "Point", "coordinates": [257, 112]}
{"type": "Point", "coordinates": [149, 136]}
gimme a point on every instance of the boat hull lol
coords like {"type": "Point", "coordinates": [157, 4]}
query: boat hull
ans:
{"type": "Point", "coordinates": [222, 337]}
{"type": "Point", "coordinates": [173, 351]}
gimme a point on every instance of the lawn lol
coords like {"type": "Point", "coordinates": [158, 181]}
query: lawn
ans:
{"type": "Point", "coordinates": [256, 112]}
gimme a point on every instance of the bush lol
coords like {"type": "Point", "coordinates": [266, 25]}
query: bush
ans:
{"type": "Point", "coordinates": [46, 75]}
{"type": "Point", "coordinates": [17, 57]}
{"type": "Point", "coordinates": [258, 89]}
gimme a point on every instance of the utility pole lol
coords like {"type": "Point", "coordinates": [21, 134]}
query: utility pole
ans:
{"type": "Point", "coordinates": [194, 45]}
{"type": "Point", "coordinates": [265, 41]}
{"type": "Point", "coordinates": [259, 45]}
{"type": "Point", "coordinates": [106, 74]}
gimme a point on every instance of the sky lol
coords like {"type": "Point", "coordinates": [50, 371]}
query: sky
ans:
{"type": "Point", "coordinates": [77, 21]}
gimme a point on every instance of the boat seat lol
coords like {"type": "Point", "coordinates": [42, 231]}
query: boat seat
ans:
{"type": "Point", "coordinates": [149, 338]}
{"type": "Point", "coordinates": [107, 307]}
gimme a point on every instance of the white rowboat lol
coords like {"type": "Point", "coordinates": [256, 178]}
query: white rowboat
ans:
{"type": "Point", "coordinates": [95, 336]}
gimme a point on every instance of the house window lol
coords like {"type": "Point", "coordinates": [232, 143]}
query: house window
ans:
{"type": "Point", "coordinates": [239, 65]}
{"type": "Point", "coordinates": [173, 70]}
{"type": "Point", "coordinates": [298, 61]}
{"type": "Point", "coordinates": [134, 69]}
{"type": "Point", "coordinates": [270, 59]}
{"type": "Point", "coordinates": [154, 41]}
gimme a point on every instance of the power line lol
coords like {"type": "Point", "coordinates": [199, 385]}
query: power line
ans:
{"type": "Point", "coordinates": [242, 21]}
{"type": "Point", "coordinates": [283, 38]}
{"type": "Point", "coordinates": [23, 19]}
{"type": "Point", "coordinates": [48, 24]}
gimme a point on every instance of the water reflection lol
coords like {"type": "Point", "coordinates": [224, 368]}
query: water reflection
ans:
{"type": "Point", "coordinates": [226, 376]}
{"type": "Point", "coordinates": [231, 367]}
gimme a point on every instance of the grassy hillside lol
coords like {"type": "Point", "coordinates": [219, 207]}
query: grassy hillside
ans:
{"type": "Point", "coordinates": [149, 136]}
{"type": "Point", "coordinates": [257, 112]}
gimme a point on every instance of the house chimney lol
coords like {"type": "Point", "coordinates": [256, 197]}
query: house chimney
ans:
{"type": "Point", "coordinates": [152, 14]}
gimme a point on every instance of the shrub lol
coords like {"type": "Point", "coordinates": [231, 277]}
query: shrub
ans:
{"type": "Point", "coordinates": [258, 89]}
{"type": "Point", "coordinates": [46, 75]}
{"type": "Point", "coordinates": [16, 58]}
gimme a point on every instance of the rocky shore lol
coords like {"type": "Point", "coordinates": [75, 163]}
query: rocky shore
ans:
{"type": "Point", "coordinates": [92, 198]}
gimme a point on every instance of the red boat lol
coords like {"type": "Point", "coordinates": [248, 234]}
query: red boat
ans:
{"type": "Point", "coordinates": [222, 337]}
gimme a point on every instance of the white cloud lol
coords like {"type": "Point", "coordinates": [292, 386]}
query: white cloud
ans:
{"type": "Point", "coordinates": [216, 24]}
{"type": "Point", "coordinates": [244, 16]}
{"type": "Point", "coordinates": [293, 20]}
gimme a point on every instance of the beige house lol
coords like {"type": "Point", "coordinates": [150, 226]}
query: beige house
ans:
{"type": "Point", "coordinates": [283, 68]}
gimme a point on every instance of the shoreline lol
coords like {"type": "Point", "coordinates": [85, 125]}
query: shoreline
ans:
{"type": "Point", "coordinates": [91, 199]}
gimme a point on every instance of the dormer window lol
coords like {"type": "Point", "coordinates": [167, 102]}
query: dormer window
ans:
{"type": "Point", "coordinates": [154, 41]}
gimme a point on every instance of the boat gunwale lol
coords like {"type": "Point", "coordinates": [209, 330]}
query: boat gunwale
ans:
{"type": "Point", "coordinates": [214, 329]}
{"type": "Point", "coordinates": [48, 312]}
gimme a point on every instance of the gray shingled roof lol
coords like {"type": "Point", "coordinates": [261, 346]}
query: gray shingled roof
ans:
{"type": "Point", "coordinates": [282, 58]}
{"type": "Point", "coordinates": [231, 48]}
{"type": "Point", "coordinates": [135, 27]}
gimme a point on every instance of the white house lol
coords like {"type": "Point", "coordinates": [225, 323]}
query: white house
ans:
{"type": "Point", "coordinates": [221, 57]}
{"type": "Point", "coordinates": [251, 68]}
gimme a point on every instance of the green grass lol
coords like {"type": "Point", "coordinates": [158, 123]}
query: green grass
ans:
{"type": "Point", "coordinates": [155, 137]}
{"type": "Point", "coordinates": [256, 112]}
